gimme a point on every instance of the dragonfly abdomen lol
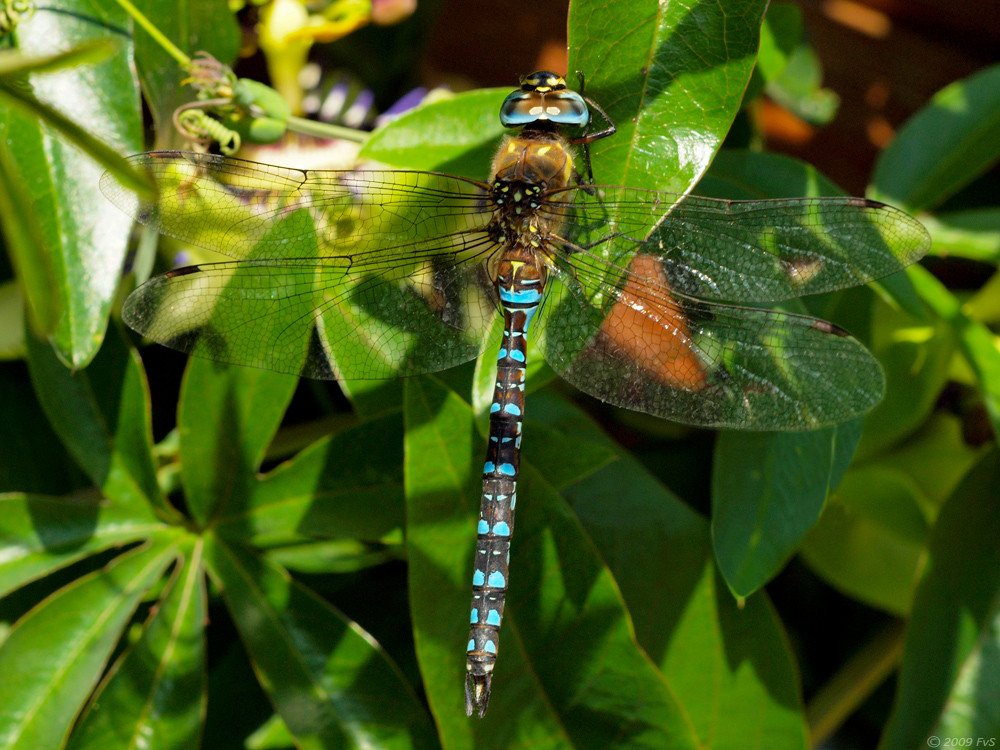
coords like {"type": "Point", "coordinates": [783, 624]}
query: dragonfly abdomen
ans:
{"type": "Point", "coordinates": [520, 283]}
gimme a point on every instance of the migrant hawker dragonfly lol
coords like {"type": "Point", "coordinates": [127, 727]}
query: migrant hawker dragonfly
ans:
{"type": "Point", "coordinates": [634, 296]}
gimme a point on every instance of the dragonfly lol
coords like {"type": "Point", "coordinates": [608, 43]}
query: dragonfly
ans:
{"type": "Point", "coordinates": [651, 301]}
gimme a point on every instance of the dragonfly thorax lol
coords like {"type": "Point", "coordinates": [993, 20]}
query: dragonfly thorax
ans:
{"type": "Point", "coordinates": [524, 169]}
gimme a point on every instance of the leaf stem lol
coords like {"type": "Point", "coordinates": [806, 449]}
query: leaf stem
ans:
{"type": "Point", "coordinates": [855, 681]}
{"type": "Point", "coordinates": [169, 47]}
{"type": "Point", "coordinates": [325, 130]}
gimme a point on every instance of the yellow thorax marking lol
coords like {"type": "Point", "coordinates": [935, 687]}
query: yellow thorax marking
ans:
{"type": "Point", "coordinates": [544, 150]}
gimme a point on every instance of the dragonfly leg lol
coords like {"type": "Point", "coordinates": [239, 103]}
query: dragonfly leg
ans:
{"type": "Point", "coordinates": [587, 137]}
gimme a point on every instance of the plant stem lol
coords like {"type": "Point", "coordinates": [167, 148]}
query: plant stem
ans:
{"type": "Point", "coordinates": [169, 47]}
{"type": "Point", "coordinates": [855, 681]}
{"type": "Point", "coordinates": [325, 130]}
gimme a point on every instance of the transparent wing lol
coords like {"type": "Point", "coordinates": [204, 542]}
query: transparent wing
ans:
{"type": "Point", "coordinates": [741, 251]}
{"type": "Point", "coordinates": [642, 346]}
{"type": "Point", "coordinates": [339, 274]}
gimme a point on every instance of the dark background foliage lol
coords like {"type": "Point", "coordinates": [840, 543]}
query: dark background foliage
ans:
{"type": "Point", "coordinates": [197, 553]}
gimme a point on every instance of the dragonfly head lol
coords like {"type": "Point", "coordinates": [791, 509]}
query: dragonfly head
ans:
{"type": "Point", "coordinates": [543, 99]}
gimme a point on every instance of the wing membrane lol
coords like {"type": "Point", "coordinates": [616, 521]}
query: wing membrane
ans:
{"type": "Point", "coordinates": [339, 274]}
{"type": "Point", "coordinates": [645, 347]}
{"type": "Point", "coordinates": [742, 251]}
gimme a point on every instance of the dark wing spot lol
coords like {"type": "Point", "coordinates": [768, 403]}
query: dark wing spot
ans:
{"type": "Point", "coordinates": [182, 271]}
{"type": "Point", "coordinates": [864, 203]}
{"type": "Point", "coordinates": [826, 327]}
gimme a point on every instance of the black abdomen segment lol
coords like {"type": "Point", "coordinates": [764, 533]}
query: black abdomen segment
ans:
{"type": "Point", "coordinates": [519, 298]}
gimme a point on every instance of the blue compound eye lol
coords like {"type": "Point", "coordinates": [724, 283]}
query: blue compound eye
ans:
{"type": "Point", "coordinates": [560, 106]}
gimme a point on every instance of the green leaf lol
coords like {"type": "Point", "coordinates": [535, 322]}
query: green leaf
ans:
{"type": "Point", "coordinates": [780, 34]}
{"type": "Point", "coordinates": [671, 76]}
{"type": "Point", "coordinates": [83, 233]}
{"type": "Point", "coordinates": [272, 735]}
{"type": "Point", "coordinates": [227, 416]}
{"type": "Point", "coordinates": [207, 25]}
{"type": "Point", "coordinates": [768, 489]}
{"type": "Point", "coordinates": [32, 459]}
{"type": "Point", "coordinates": [154, 695]}
{"type": "Point", "coordinates": [740, 174]}
{"type": "Point", "coordinates": [41, 534]}
{"type": "Point", "coordinates": [329, 681]}
{"type": "Point", "coordinates": [915, 353]}
{"type": "Point", "coordinates": [568, 659]}
{"type": "Point", "coordinates": [104, 155]}
{"type": "Point", "coordinates": [54, 655]}
{"type": "Point", "coordinates": [944, 146]}
{"type": "Point", "coordinates": [973, 233]}
{"type": "Point", "coordinates": [102, 417]}
{"type": "Point", "coordinates": [12, 313]}
{"type": "Point", "coordinates": [799, 87]}
{"type": "Point", "coordinates": [976, 342]}
{"type": "Point", "coordinates": [935, 458]}
{"type": "Point", "coordinates": [949, 685]}
{"type": "Point", "coordinates": [457, 135]}
{"type": "Point", "coordinates": [567, 458]}
{"type": "Point", "coordinates": [347, 486]}
{"type": "Point", "coordinates": [13, 63]}
{"type": "Point", "coordinates": [870, 538]}
{"type": "Point", "coordinates": [730, 666]}
{"type": "Point", "coordinates": [27, 250]}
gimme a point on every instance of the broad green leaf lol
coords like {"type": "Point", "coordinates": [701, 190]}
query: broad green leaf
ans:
{"type": "Point", "coordinates": [11, 317]}
{"type": "Point", "coordinates": [976, 342]}
{"type": "Point", "coordinates": [740, 174]}
{"type": "Point", "coordinates": [32, 460]}
{"type": "Point", "coordinates": [334, 555]}
{"type": "Point", "coordinates": [26, 248]}
{"type": "Point", "coordinates": [154, 695]}
{"type": "Point", "coordinates": [949, 685]}
{"type": "Point", "coordinates": [935, 458]}
{"type": "Point", "coordinates": [13, 63]}
{"type": "Point", "coordinates": [915, 353]}
{"type": "Point", "coordinates": [207, 25]}
{"type": "Point", "coordinates": [573, 457]}
{"type": "Point", "coordinates": [768, 489]}
{"type": "Point", "coordinates": [84, 234]}
{"type": "Point", "coordinates": [569, 671]}
{"type": "Point", "coordinates": [973, 233]}
{"type": "Point", "coordinates": [332, 685]}
{"type": "Point", "coordinates": [104, 155]}
{"type": "Point", "coordinates": [55, 654]}
{"type": "Point", "coordinates": [799, 87]}
{"type": "Point", "coordinates": [101, 414]}
{"type": "Point", "coordinates": [457, 135]}
{"type": "Point", "coordinates": [227, 416]}
{"type": "Point", "coordinates": [272, 735]}
{"type": "Point", "coordinates": [729, 666]}
{"type": "Point", "coordinates": [347, 486]}
{"type": "Point", "coordinates": [870, 539]}
{"type": "Point", "coordinates": [984, 305]}
{"type": "Point", "coordinates": [41, 534]}
{"type": "Point", "coordinates": [944, 146]}
{"type": "Point", "coordinates": [780, 34]}
{"type": "Point", "coordinates": [671, 76]}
